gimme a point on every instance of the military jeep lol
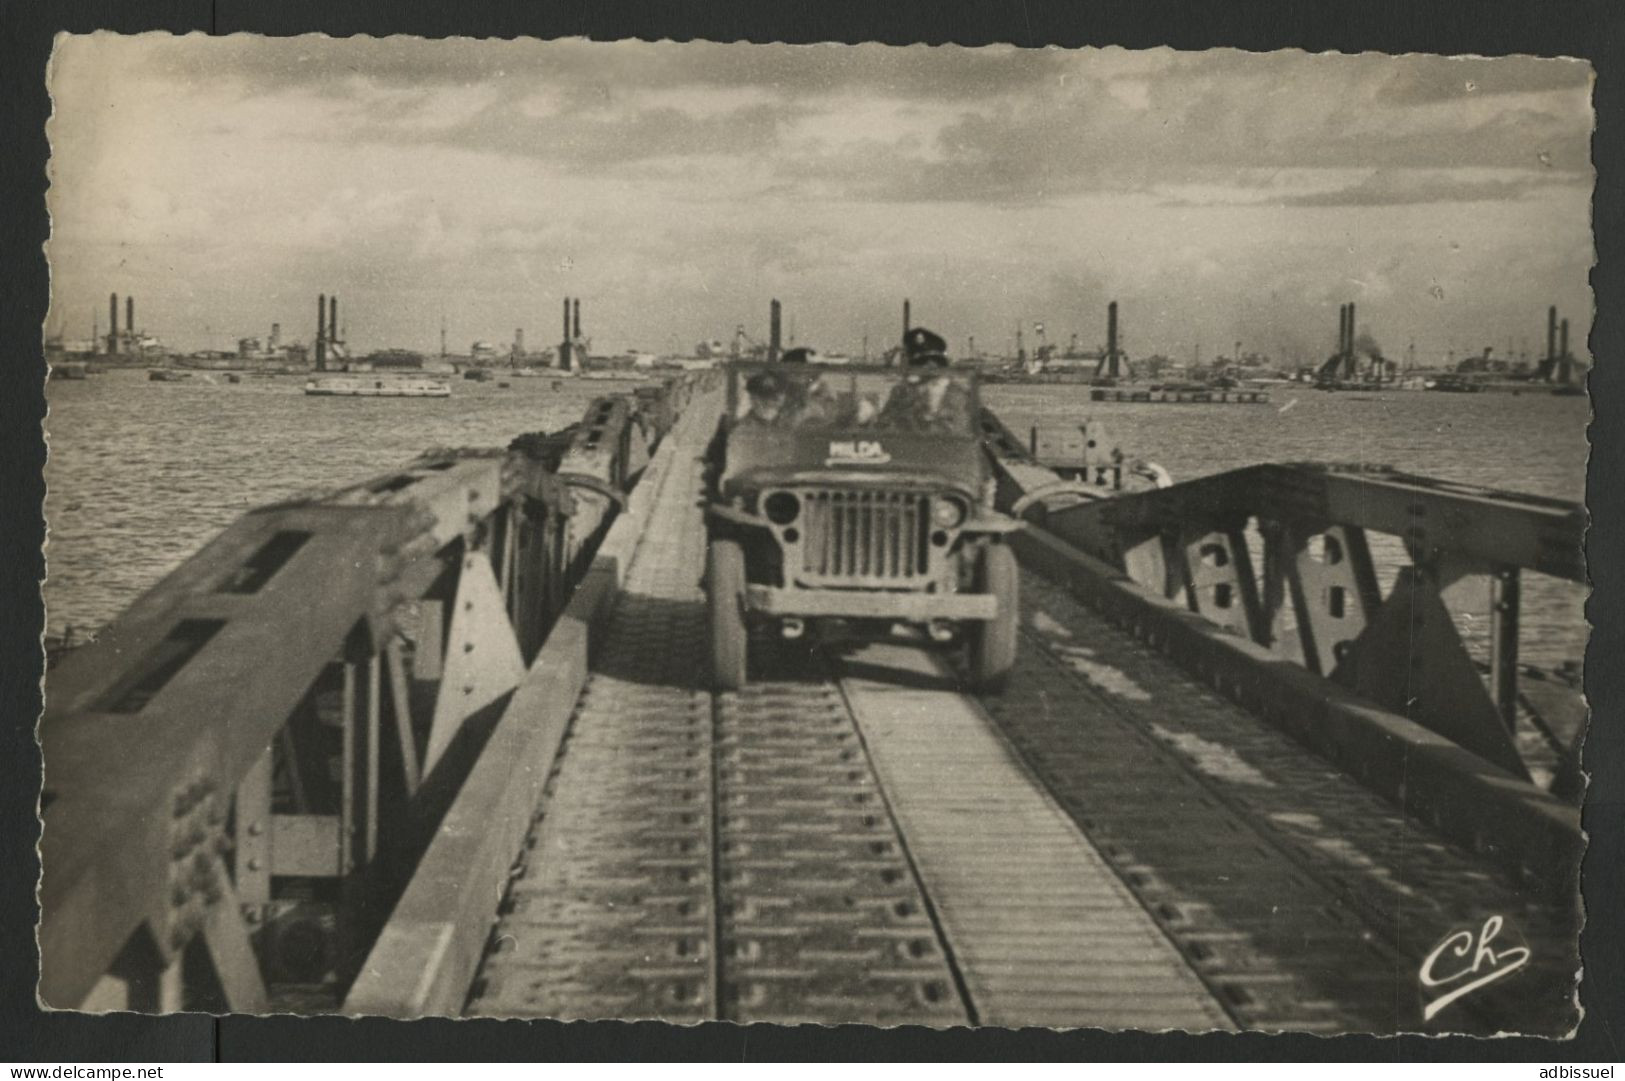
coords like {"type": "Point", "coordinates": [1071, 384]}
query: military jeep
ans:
{"type": "Point", "coordinates": [857, 496]}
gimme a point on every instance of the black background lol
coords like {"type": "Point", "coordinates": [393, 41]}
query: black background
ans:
{"type": "Point", "coordinates": [1590, 30]}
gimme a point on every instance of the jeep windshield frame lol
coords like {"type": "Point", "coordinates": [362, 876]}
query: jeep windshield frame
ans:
{"type": "Point", "coordinates": [856, 399]}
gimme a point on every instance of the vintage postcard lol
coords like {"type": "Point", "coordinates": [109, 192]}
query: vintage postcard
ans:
{"type": "Point", "coordinates": [763, 533]}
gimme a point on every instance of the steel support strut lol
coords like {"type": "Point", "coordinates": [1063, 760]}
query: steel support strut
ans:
{"type": "Point", "coordinates": [1505, 597]}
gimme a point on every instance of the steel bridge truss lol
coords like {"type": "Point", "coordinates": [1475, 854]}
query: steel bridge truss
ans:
{"type": "Point", "coordinates": [244, 765]}
{"type": "Point", "coordinates": [1274, 564]}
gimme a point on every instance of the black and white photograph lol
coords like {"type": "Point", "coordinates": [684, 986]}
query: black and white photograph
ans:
{"type": "Point", "coordinates": [823, 534]}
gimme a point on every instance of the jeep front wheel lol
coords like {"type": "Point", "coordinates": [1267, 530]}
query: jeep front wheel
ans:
{"type": "Point", "coordinates": [993, 642]}
{"type": "Point", "coordinates": [725, 597]}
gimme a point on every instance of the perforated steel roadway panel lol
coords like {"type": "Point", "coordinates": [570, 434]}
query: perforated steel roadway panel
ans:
{"type": "Point", "coordinates": [659, 798]}
{"type": "Point", "coordinates": [1042, 930]}
{"type": "Point", "coordinates": [822, 919]}
{"type": "Point", "coordinates": [1305, 899]}
{"type": "Point", "coordinates": [609, 913]}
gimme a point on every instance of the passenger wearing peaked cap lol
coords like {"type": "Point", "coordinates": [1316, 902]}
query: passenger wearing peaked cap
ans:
{"type": "Point", "coordinates": [766, 383]}
{"type": "Point", "coordinates": [923, 347]}
{"type": "Point", "coordinates": [767, 390]}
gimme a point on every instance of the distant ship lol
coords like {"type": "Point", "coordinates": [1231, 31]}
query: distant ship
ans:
{"type": "Point", "coordinates": [1452, 383]}
{"type": "Point", "coordinates": [351, 386]}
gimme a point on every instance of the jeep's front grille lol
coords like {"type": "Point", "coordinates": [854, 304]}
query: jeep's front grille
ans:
{"type": "Point", "coordinates": [864, 537]}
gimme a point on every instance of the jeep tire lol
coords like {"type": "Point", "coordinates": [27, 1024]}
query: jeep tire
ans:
{"type": "Point", "coordinates": [725, 599]}
{"type": "Point", "coordinates": [993, 641]}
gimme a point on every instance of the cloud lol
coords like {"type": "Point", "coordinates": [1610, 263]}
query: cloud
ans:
{"type": "Point", "coordinates": [1394, 187]}
{"type": "Point", "coordinates": [268, 65]}
{"type": "Point", "coordinates": [1418, 80]}
{"type": "Point", "coordinates": [1003, 124]}
{"type": "Point", "coordinates": [678, 186]}
{"type": "Point", "coordinates": [1208, 116]}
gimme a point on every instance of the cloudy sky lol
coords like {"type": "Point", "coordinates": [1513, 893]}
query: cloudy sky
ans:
{"type": "Point", "coordinates": [1219, 196]}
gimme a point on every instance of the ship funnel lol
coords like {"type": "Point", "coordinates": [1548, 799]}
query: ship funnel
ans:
{"type": "Point", "coordinates": [1111, 335]}
{"type": "Point", "coordinates": [564, 341]}
{"type": "Point", "coordinates": [773, 318]}
{"type": "Point", "coordinates": [1349, 364]}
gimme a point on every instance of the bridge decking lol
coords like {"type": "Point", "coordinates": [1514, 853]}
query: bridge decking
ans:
{"type": "Point", "coordinates": [496, 782]}
{"type": "Point", "coordinates": [1108, 843]}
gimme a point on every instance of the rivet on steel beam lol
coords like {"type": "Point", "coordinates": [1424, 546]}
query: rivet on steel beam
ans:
{"type": "Point", "coordinates": [255, 828]}
{"type": "Point", "coordinates": [181, 927]}
{"type": "Point", "coordinates": [254, 863]}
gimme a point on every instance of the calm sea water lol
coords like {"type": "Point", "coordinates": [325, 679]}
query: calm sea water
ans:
{"type": "Point", "coordinates": [141, 474]}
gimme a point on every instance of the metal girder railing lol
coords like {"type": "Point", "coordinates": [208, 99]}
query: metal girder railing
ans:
{"type": "Point", "coordinates": [1280, 555]}
{"type": "Point", "coordinates": [240, 765]}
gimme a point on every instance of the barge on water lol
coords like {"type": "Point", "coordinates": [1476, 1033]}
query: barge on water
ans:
{"type": "Point", "coordinates": [350, 386]}
{"type": "Point", "coordinates": [1452, 383]}
{"type": "Point", "coordinates": [1181, 395]}
{"type": "Point", "coordinates": [70, 369]}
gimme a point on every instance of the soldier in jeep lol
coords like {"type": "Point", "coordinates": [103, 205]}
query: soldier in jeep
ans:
{"type": "Point", "coordinates": [928, 398]}
{"type": "Point", "coordinates": [859, 495]}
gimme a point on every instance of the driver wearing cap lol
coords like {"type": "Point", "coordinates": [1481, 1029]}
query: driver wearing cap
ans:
{"type": "Point", "coordinates": [928, 397]}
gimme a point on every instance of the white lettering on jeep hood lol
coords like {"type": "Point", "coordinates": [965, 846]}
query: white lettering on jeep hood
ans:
{"type": "Point", "coordinates": [856, 452]}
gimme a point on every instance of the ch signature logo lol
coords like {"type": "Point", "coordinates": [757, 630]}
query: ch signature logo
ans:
{"type": "Point", "coordinates": [1466, 961]}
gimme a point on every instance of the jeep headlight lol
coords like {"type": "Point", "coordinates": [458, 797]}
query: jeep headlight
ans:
{"type": "Point", "coordinates": [781, 508]}
{"type": "Point", "coordinates": [948, 513]}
